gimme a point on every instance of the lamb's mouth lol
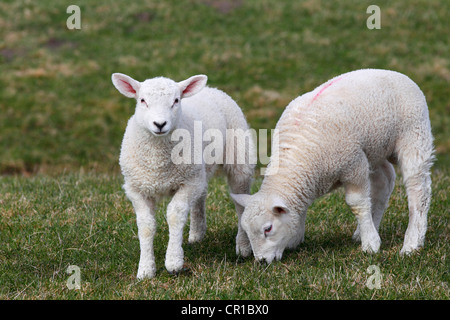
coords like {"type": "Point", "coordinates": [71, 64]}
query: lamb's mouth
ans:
{"type": "Point", "coordinates": [160, 133]}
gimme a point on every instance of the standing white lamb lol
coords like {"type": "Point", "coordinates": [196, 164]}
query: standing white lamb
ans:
{"type": "Point", "coordinates": [147, 152]}
{"type": "Point", "coordinates": [346, 132]}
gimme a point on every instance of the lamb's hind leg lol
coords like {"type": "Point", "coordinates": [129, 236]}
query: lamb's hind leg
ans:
{"type": "Point", "coordinates": [415, 159]}
{"type": "Point", "coordinates": [197, 227]}
{"type": "Point", "coordinates": [382, 182]}
{"type": "Point", "coordinates": [418, 189]}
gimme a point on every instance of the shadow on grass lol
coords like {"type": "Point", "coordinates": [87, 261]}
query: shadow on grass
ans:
{"type": "Point", "coordinates": [221, 244]}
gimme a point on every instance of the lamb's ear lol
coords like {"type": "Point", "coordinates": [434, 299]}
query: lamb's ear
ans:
{"type": "Point", "coordinates": [279, 207]}
{"type": "Point", "coordinates": [126, 85]}
{"type": "Point", "coordinates": [193, 85]}
{"type": "Point", "coordinates": [241, 199]}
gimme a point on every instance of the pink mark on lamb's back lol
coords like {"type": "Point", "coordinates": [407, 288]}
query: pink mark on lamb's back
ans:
{"type": "Point", "coordinates": [325, 87]}
{"type": "Point", "coordinates": [297, 122]}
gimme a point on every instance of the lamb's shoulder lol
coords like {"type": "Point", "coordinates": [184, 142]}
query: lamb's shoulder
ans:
{"type": "Point", "coordinates": [210, 107]}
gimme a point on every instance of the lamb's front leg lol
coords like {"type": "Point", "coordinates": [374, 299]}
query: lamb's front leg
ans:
{"type": "Point", "coordinates": [357, 196]}
{"type": "Point", "coordinates": [177, 213]}
{"type": "Point", "coordinates": [359, 202]}
{"type": "Point", "coordinates": [146, 223]}
{"type": "Point", "coordinates": [240, 182]}
{"type": "Point", "coordinates": [382, 182]}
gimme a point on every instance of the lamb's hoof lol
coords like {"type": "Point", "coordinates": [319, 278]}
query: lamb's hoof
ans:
{"type": "Point", "coordinates": [371, 246]}
{"type": "Point", "coordinates": [184, 269]}
{"type": "Point", "coordinates": [356, 236]}
{"type": "Point", "coordinates": [146, 272]}
{"type": "Point", "coordinates": [243, 251]}
{"type": "Point", "coordinates": [174, 265]}
{"type": "Point", "coordinates": [197, 237]}
{"type": "Point", "coordinates": [408, 250]}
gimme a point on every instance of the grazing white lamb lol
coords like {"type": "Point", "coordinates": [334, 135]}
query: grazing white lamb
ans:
{"type": "Point", "coordinates": [146, 159]}
{"type": "Point", "coordinates": [346, 132]}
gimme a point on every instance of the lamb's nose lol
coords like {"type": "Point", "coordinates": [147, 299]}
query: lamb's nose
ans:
{"type": "Point", "coordinates": [160, 125]}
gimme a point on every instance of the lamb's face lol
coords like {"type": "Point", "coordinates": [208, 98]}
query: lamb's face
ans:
{"type": "Point", "coordinates": [158, 100]}
{"type": "Point", "coordinates": [158, 105]}
{"type": "Point", "coordinates": [270, 226]}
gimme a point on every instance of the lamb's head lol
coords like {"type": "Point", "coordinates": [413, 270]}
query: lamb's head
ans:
{"type": "Point", "coordinates": [158, 100]}
{"type": "Point", "coordinates": [270, 225]}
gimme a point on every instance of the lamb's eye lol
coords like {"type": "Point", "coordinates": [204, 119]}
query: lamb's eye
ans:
{"type": "Point", "coordinates": [267, 230]}
{"type": "Point", "coordinates": [144, 103]}
{"type": "Point", "coordinates": [175, 102]}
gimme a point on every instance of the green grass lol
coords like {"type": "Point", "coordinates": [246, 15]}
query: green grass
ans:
{"type": "Point", "coordinates": [62, 121]}
{"type": "Point", "coordinates": [48, 224]}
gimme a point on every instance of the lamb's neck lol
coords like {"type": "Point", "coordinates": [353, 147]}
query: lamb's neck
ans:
{"type": "Point", "coordinates": [297, 189]}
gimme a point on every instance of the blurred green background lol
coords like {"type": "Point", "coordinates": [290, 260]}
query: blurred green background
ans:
{"type": "Point", "coordinates": [59, 111]}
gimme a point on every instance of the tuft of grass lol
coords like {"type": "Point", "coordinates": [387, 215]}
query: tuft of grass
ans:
{"type": "Point", "coordinates": [47, 224]}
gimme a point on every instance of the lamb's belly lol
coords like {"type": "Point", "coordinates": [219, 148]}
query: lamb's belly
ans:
{"type": "Point", "coordinates": [377, 156]}
{"type": "Point", "coordinates": [379, 148]}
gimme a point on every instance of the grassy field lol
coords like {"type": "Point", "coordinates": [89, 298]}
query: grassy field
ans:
{"type": "Point", "coordinates": [48, 224]}
{"type": "Point", "coordinates": [62, 121]}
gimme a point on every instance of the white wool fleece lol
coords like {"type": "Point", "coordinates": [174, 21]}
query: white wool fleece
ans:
{"type": "Point", "coordinates": [347, 132]}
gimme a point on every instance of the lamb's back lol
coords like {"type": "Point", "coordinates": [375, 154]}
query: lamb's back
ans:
{"type": "Point", "coordinates": [366, 109]}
